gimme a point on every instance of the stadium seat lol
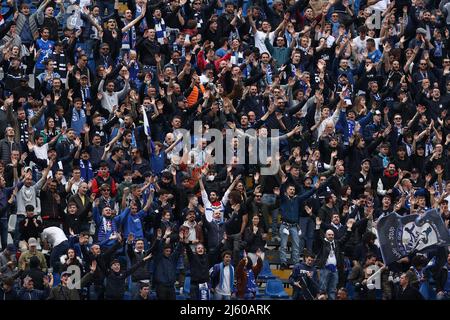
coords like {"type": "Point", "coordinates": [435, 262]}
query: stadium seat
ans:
{"type": "Point", "coordinates": [56, 278]}
{"type": "Point", "coordinates": [350, 290]}
{"type": "Point", "coordinates": [187, 286]}
{"type": "Point", "coordinates": [266, 272]}
{"type": "Point", "coordinates": [275, 289]}
{"type": "Point", "coordinates": [127, 296]}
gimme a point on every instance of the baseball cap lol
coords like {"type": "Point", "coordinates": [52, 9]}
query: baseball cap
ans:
{"type": "Point", "coordinates": [32, 242]}
{"type": "Point", "coordinates": [378, 112]}
{"type": "Point", "coordinates": [65, 273]}
{"type": "Point", "coordinates": [420, 192]}
{"type": "Point", "coordinates": [421, 30]}
{"type": "Point", "coordinates": [11, 248]}
{"type": "Point", "coordinates": [365, 160]}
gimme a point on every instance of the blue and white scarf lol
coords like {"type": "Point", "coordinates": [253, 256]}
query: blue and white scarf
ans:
{"type": "Point", "coordinates": [87, 174]}
{"type": "Point", "coordinates": [160, 29]}
{"type": "Point", "coordinates": [129, 38]}
{"type": "Point", "coordinates": [269, 74]}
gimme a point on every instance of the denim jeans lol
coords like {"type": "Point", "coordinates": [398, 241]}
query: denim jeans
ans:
{"type": "Point", "coordinates": [293, 232]}
{"type": "Point", "coordinates": [4, 231]}
{"type": "Point", "coordinates": [270, 199]}
{"type": "Point", "coordinates": [218, 296]}
{"type": "Point", "coordinates": [307, 237]}
{"type": "Point", "coordinates": [328, 282]}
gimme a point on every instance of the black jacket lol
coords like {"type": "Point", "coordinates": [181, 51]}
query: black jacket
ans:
{"type": "Point", "coordinates": [103, 261]}
{"type": "Point", "coordinates": [142, 272]}
{"type": "Point", "coordinates": [324, 248]}
{"type": "Point", "coordinates": [409, 293]}
{"type": "Point", "coordinates": [253, 241]}
{"type": "Point", "coordinates": [8, 296]}
{"type": "Point", "coordinates": [115, 282]}
{"type": "Point", "coordinates": [198, 265]}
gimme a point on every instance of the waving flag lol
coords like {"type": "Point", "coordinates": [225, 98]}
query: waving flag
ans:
{"type": "Point", "coordinates": [146, 123]}
{"type": "Point", "coordinates": [400, 236]}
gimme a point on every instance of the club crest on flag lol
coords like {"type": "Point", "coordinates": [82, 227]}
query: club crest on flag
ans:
{"type": "Point", "coordinates": [399, 236]}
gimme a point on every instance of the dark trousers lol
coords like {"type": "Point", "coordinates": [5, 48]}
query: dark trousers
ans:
{"type": "Point", "coordinates": [4, 231]}
{"type": "Point", "coordinates": [57, 252]}
{"type": "Point", "coordinates": [213, 256]}
{"type": "Point", "coordinates": [165, 292]}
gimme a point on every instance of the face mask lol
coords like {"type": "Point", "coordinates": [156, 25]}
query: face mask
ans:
{"type": "Point", "coordinates": [211, 178]}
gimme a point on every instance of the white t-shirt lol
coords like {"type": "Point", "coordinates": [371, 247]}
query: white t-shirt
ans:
{"type": "Point", "coordinates": [225, 290]}
{"type": "Point", "coordinates": [380, 5]}
{"type": "Point", "coordinates": [332, 258]}
{"type": "Point", "coordinates": [360, 44]}
{"type": "Point", "coordinates": [260, 37]}
{"type": "Point", "coordinates": [41, 152]}
{"type": "Point", "coordinates": [54, 236]}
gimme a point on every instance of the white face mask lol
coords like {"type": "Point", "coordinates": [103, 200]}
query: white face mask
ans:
{"type": "Point", "coordinates": [211, 178]}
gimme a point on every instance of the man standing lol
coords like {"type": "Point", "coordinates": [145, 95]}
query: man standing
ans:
{"type": "Point", "coordinates": [406, 291]}
{"type": "Point", "coordinates": [222, 278]}
{"type": "Point", "coordinates": [330, 257]}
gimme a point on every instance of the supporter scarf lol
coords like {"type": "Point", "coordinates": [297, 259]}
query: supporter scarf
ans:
{"type": "Point", "coordinates": [2, 21]}
{"type": "Point", "coordinates": [87, 174]}
{"type": "Point", "coordinates": [129, 37]}
{"type": "Point", "coordinates": [143, 25]}
{"type": "Point", "coordinates": [385, 160]}
{"type": "Point", "coordinates": [160, 29]}
{"type": "Point", "coordinates": [231, 276]}
{"type": "Point", "coordinates": [269, 74]}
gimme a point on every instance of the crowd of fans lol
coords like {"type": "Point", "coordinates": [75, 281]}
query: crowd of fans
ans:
{"type": "Point", "coordinates": [359, 91]}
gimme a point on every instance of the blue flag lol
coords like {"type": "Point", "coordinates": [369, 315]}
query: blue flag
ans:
{"type": "Point", "coordinates": [400, 236]}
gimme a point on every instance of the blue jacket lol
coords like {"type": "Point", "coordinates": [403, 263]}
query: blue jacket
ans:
{"type": "Point", "coordinates": [105, 228]}
{"type": "Point", "coordinates": [34, 294]}
{"type": "Point", "coordinates": [131, 223]}
{"type": "Point", "coordinates": [347, 127]}
{"type": "Point", "coordinates": [290, 207]}
{"type": "Point", "coordinates": [165, 267]}
{"type": "Point", "coordinates": [217, 276]}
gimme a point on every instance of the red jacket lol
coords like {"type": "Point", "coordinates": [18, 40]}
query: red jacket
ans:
{"type": "Point", "coordinates": [98, 181]}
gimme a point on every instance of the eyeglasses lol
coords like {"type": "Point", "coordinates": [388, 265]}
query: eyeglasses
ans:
{"type": "Point", "coordinates": [258, 195]}
{"type": "Point", "coordinates": [106, 190]}
{"type": "Point", "coordinates": [397, 118]}
{"type": "Point", "coordinates": [423, 64]}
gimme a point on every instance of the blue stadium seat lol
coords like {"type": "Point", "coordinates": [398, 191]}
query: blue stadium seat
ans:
{"type": "Point", "coordinates": [266, 272]}
{"type": "Point", "coordinates": [378, 294]}
{"type": "Point", "coordinates": [350, 290]}
{"type": "Point", "coordinates": [427, 291]}
{"type": "Point", "coordinates": [56, 278]}
{"type": "Point", "coordinates": [127, 296]}
{"type": "Point", "coordinates": [275, 289]}
{"type": "Point", "coordinates": [187, 286]}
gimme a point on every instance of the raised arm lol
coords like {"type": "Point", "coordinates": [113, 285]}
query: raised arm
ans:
{"type": "Point", "coordinates": [136, 20]}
